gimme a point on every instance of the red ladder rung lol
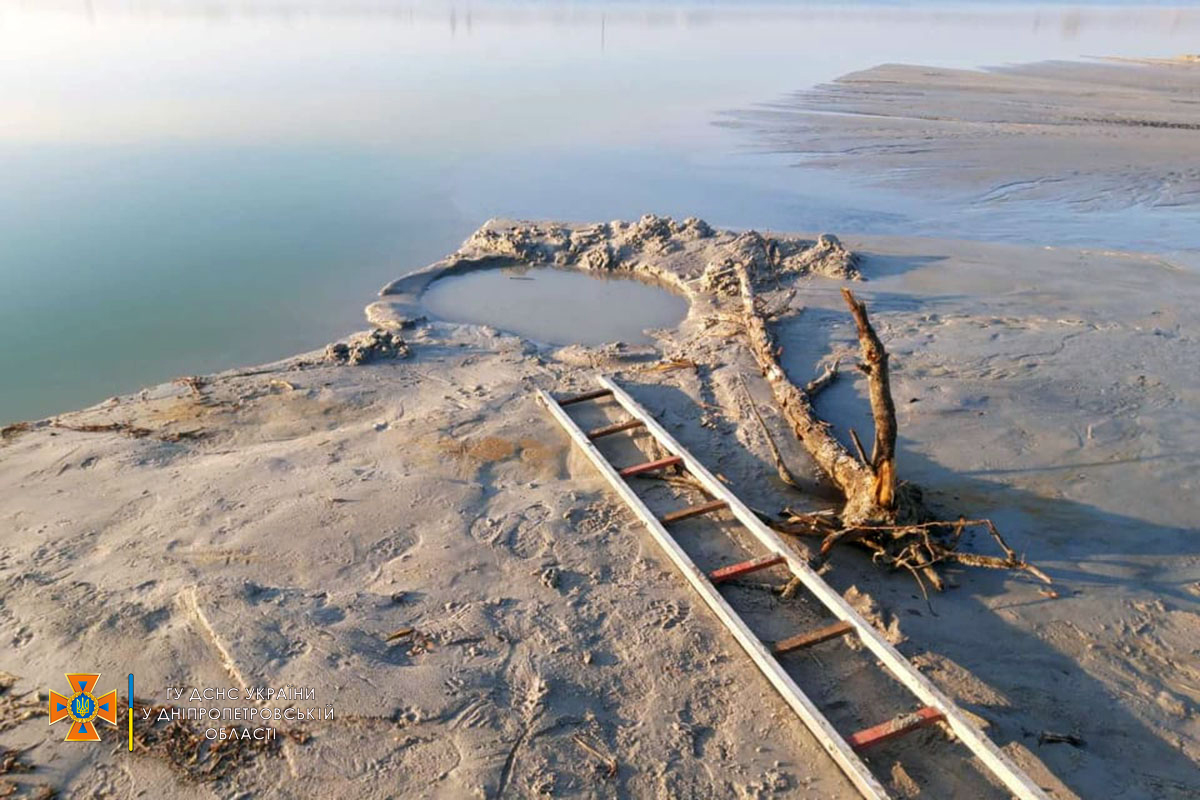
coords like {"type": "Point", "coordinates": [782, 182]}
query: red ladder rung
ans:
{"type": "Point", "coordinates": [692, 511]}
{"type": "Point", "coordinates": [895, 728]}
{"type": "Point", "coordinates": [650, 466]}
{"type": "Point", "coordinates": [617, 427]}
{"type": "Point", "coordinates": [737, 570]}
{"type": "Point", "coordinates": [839, 628]}
{"type": "Point", "coordinates": [579, 398]}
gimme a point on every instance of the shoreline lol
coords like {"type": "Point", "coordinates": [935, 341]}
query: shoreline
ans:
{"type": "Point", "coordinates": [325, 505]}
{"type": "Point", "coordinates": [280, 299]}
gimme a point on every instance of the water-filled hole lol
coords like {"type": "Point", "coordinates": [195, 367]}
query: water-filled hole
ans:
{"type": "Point", "coordinates": [557, 306]}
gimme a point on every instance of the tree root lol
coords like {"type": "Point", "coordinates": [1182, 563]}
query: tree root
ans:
{"type": "Point", "coordinates": [868, 488]}
{"type": "Point", "coordinates": [881, 514]}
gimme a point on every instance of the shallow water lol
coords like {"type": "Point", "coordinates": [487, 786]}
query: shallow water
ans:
{"type": "Point", "coordinates": [557, 306]}
{"type": "Point", "coordinates": [189, 186]}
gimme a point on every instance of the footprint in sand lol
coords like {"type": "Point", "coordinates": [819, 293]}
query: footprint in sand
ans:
{"type": "Point", "coordinates": [669, 612]}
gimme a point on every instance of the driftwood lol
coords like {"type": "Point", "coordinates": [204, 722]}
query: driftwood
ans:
{"type": "Point", "coordinates": [886, 517]}
{"type": "Point", "coordinates": [856, 480]}
{"type": "Point", "coordinates": [813, 387]}
{"type": "Point", "coordinates": [130, 430]}
{"type": "Point", "coordinates": [875, 365]}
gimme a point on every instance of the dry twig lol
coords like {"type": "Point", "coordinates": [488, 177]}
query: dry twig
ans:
{"type": "Point", "coordinates": [399, 634]}
{"type": "Point", "coordinates": [666, 366]}
{"type": "Point", "coordinates": [781, 469]}
{"type": "Point", "coordinates": [609, 763]}
{"type": "Point", "coordinates": [817, 384]}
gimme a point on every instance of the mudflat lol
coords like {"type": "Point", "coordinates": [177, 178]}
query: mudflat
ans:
{"type": "Point", "coordinates": [1102, 135]}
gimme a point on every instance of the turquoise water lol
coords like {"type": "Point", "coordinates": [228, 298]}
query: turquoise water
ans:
{"type": "Point", "coordinates": [189, 186]}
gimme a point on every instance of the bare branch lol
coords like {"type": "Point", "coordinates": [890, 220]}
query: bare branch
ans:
{"type": "Point", "coordinates": [883, 409]}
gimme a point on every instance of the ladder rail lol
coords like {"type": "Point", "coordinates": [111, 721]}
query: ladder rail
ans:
{"type": "Point", "coordinates": [837, 747]}
{"type": "Point", "coordinates": [1000, 765]}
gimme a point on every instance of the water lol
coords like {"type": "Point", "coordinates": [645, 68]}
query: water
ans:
{"type": "Point", "coordinates": [194, 185]}
{"type": "Point", "coordinates": [557, 306]}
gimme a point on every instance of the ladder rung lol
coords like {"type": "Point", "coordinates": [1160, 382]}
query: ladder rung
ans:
{"type": "Point", "coordinates": [894, 728]}
{"type": "Point", "coordinates": [650, 466]}
{"type": "Point", "coordinates": [692, 511]}
{"type": "Point", "coordinates": [737, 570]}
{"type": "Point", "coordinates": [839, 628]}
{"type": "Point", "coordinates": [596, 433]}
{"type": "Point", "coordinates": [579, 398]}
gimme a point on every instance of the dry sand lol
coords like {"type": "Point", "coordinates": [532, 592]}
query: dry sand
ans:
{"type": "Point", "coordinates": [310, 508]}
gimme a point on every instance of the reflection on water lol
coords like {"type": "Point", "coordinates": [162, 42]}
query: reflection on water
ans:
{"type": "Point", "coordinates": [192, 185]}
{"type": "Point", "coordinates": [557, 306]}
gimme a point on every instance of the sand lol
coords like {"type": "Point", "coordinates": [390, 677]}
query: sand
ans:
{"type": "Point", "coordinates": [1101, 137]}
{"type": "Point", "coordinates": [274, 525]}
{"type": "Point", "coordinates": [1101, 134]}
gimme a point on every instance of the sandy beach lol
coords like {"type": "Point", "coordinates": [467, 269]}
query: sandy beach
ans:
{"type": "Point", "coordinates": [379, 567]}
{"type": "Point", "coordinates": [275, 525]}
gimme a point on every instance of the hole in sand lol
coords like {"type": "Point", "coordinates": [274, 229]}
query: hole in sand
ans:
{"type": "Point", "coordinates": [557, 306]}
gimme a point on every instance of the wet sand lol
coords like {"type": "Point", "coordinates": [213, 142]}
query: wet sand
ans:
{"type": "Point", "coordinates": [1092, 136]}
{"type": "Point", "coordinates": [275, 525]}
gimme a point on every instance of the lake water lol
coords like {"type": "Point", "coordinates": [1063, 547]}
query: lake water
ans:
{"type": "Point", "coordinates": [194, 185]}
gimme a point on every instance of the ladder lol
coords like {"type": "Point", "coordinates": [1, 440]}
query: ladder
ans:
{"type": "Point", "coordinates": [844, 750]}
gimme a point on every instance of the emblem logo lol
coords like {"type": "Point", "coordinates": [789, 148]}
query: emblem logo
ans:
{"type": "Point", "coordinates": [82, 707]}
